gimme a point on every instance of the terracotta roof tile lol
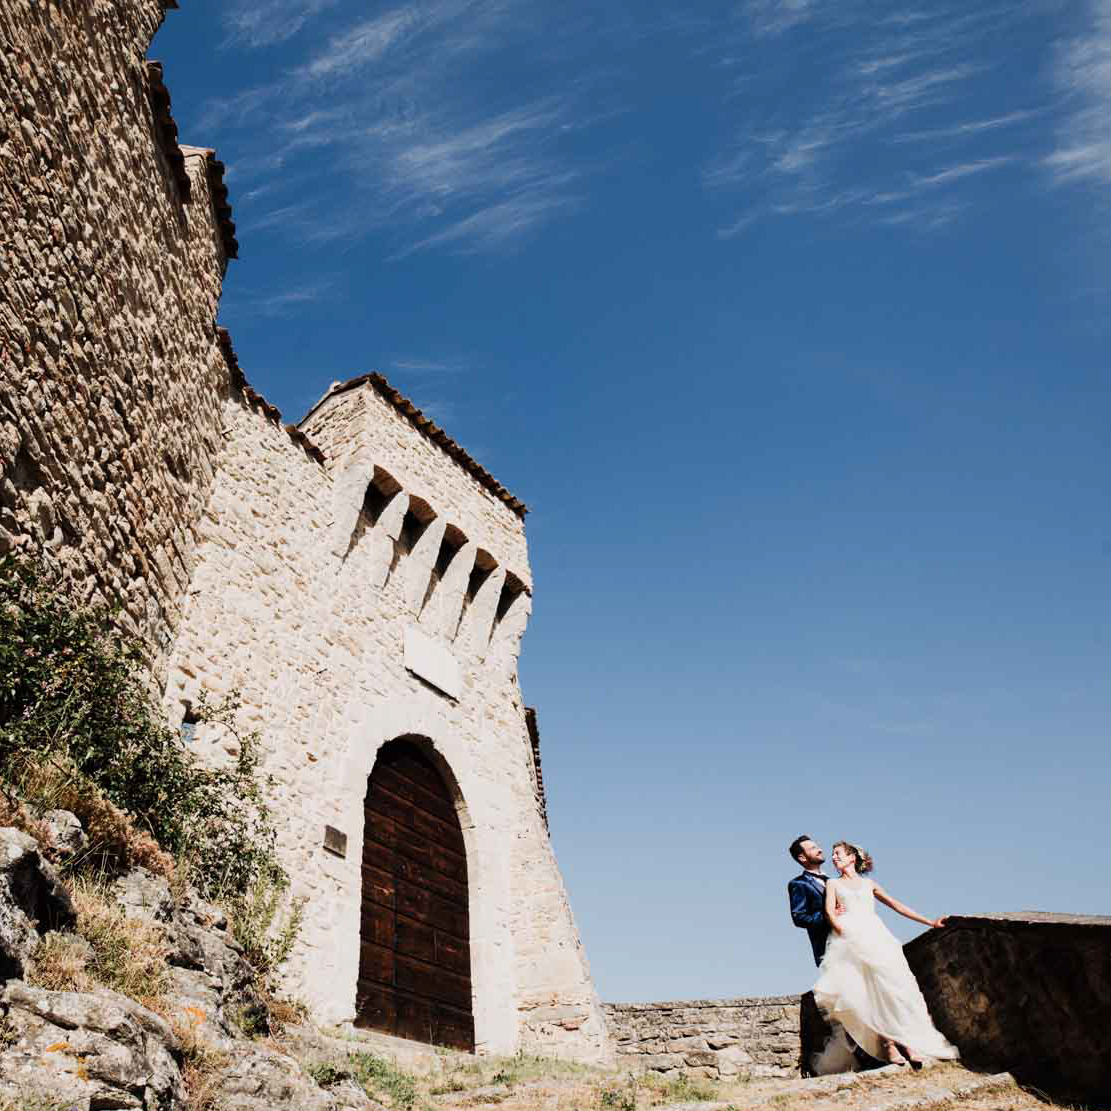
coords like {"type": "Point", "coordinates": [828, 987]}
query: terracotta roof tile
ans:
{"type": "Point", "coordinates": [256, 400]}
{"type": "Point", "coordinates": [222, 207]}
{"type": "Point", "coordinates": [167, 129]}
{"type": "Point", "coordinates": [534, 742]}
{"type": "Point", "coordinates": [430, 429]}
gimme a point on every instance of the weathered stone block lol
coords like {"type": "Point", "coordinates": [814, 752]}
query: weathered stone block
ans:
{"type": "Point", "coordinates": [1028, 993]}
{"type": "Point", "coordinates": [733, 1061]}
{"type": "Point", "coordinates": [702, 1057]}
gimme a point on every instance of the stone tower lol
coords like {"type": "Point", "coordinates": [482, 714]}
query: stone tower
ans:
{"type": "Point", "coordinates": [358, 578]}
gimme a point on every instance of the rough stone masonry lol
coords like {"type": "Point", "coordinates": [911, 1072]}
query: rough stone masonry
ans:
{"type": "Point", "coordinates": [712, 1039]}
{"type": "Point", "coordinates": [357, 579]}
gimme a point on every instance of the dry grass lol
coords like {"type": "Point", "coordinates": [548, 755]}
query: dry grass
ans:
{"type": "Point", "coordinates": [108, 947]}
{"type": "Point", "coordinates": [283, 1012]}
{"type": "Point", "coordinates": [525, 1083]}
{"type": "Point", "coordinates": [15, 813]}
{"type": "Point", "coordinates": [538, 1084]}
{"type": "Point", "coordinates": [53, 783]}
{"type": "Point", "coordinates": [204, 1062]}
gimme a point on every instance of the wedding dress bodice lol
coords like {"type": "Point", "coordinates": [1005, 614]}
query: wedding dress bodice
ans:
{"type": "Point", "coordinates": [857, 899]}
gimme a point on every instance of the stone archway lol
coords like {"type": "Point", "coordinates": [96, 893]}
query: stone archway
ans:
{"type": "Point", "coordinates": [414, 944]}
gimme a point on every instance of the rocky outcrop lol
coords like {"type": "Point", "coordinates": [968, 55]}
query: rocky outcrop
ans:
{"type": "Point", "coordinates": [66, 834]}
{"type": "Point", "coordinates": [213, 982]}
{"type": "Point", "coordinates": [31, 898]}
{"type": "Point", "coordinates": [87, 1050]}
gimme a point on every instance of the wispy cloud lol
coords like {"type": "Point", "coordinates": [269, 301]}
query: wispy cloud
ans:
{"type": "Point", "coordinates": [282, 303]}
{"type": "Point", "coordinates": [845, 141]}
{"type": "Point", "coordinates": [417, 156]}
{"type": "Point", "coordinates": [495, 228]}
{"type": "Point", "coordinates": [285, 216]}
{"type": "Point", "coordinates": [488, 155]}
{"type": "Point", "coordinates": [774, 17]}
{"type": "Point", "coordinates": [360, 45]}
{"type": "Point", "coordinates": [258, 23]}
{"type": "Point", "coordinates": [967, 129]}
{"type": "Point", "coordinates": [1083, 73]}
{"type": "Point", "coordinates": [925, 217]}
{"type": "Point", "coordinates": [739, 226]}
{"type": "Point", "coordinates": [955, 173]}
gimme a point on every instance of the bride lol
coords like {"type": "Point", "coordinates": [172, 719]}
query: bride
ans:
{"type": "Point", "coordinates": [864, 981]}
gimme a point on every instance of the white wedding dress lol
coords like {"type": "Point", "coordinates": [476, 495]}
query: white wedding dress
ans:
{"type": "Point", "coordinates": [865, 983]}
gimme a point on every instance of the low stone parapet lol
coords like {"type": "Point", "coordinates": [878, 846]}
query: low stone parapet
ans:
{"type": "Point", "coordinates": [712, 1039]}
{"type": "Point", "coordinates": [1028, 992]}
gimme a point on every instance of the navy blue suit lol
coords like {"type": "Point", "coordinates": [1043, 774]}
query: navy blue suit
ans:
{"type": "Point", "coordinates": [807, 896]}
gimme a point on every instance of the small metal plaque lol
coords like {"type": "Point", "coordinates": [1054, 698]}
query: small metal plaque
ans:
{"type": "Point", "coordinates": [334, 841]}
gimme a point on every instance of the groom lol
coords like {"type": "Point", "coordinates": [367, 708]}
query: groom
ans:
{"type": "Point", "coordinates": [807, 893]}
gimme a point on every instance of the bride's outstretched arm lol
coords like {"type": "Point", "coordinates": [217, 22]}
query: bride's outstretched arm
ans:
{"type": "Point", "coordinates": [905, 911]}
{"type": "Point", "coordinates": [831, 905]}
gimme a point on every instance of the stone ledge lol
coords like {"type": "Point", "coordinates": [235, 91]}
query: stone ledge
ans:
{"type": "Point", "coordinates": [707, 1004]}
{"type": "Point", "coordinates": [1019, 918]}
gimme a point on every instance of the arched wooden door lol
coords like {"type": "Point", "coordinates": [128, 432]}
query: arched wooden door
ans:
{"type": "Point", "coordinates": [414, 953]}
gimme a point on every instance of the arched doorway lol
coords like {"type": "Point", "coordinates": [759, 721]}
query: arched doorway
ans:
{"type": "Point", "coordinates": [414, 952]}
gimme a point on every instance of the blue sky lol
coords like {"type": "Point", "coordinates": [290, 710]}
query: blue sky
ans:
{"type": "Point", "coordinates": [789, 321]}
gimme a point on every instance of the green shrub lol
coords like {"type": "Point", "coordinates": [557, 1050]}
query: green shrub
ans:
{"type": "Point", "coordinates": [326, 1074]}
{"type": "Point", "coordinates": [613, 1098]}
{"type": "Point", "coordinates": [380, 1077]}
{"type": "Point", "coordinates": [74, 692]}
{"type": "Point", "coordinates": [682, 1089]}
{"type": "Point", "coordinates": [264, 922]}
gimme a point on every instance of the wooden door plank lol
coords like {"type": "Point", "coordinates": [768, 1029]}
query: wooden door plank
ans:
{"type": "Point", "coordinates": [401, 787]}
{"type": "Point", "coordinates": [377, 964]}
{"type": "Point", "coordinates": [430, 982]}
{"type": "Point", "coordinates": [414, 956]}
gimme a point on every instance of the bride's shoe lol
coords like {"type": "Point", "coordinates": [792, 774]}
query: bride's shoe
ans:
{"type": "Point", "coordinates": [894, 1057]}
{"type": "Point", "coordinates": [915, 1062]}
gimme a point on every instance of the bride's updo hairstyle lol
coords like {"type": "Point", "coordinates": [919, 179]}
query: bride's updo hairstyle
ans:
{"type": "Point", "coordinates": [863, 860]}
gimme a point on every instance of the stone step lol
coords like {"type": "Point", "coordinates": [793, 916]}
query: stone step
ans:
{"type": "Point", "coordinates": [891, 1088]}
{"type": "Point", "coordinates": [415, 1057]}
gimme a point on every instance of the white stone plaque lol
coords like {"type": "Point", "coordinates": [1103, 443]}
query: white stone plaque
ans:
{"type": "Point", "coordinates": [433, 661]}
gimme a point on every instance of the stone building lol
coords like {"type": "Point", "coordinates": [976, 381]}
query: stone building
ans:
{"type": "Point", "coordinates": [358, 578]}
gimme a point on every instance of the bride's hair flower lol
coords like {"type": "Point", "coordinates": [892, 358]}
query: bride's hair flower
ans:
{"type": "Point", "coordinates": [863, 860]}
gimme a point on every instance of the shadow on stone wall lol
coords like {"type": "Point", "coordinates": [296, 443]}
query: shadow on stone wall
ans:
{"type": "Point", "coordinates": [1028, 993]}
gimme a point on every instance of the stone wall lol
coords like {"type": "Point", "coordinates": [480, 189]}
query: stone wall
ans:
{"type": "Point", "coordinates": [137, 461]}
{"type": "Point", "coordinates": [308, 599]}
{"type": "Point", "coordinates": [111, 261]}
{"type": "Point", "coordinates": [1029, 993]}
{"type": "Point", "coordinates": [711, 1039]}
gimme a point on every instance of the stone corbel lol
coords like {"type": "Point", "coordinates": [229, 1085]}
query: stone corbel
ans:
{"type": "Point", "coordinates": [418, 564]}
{"type": "Point", "coordinates": [506, 635]}
{"type": "Point", "coordinates": [385, 535]}
{"type": "Point", "coordinates": [478, 620]}
{"type": "Point", "coordinates": [441, 616]}
{"type": "Point", "coordinates": [348, 491]}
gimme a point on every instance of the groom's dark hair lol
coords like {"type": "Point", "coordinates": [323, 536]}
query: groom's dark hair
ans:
{"type": "Point", "coordinates": [796, 846]}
